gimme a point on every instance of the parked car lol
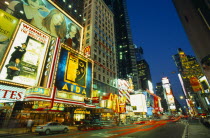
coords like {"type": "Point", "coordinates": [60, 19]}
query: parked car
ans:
{"type": "Point", "coordinates": [206, 121]}
{"type": "Point", "coordinates": [51, 127]}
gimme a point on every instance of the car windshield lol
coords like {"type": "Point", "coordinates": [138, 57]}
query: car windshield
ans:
{"type": "Point", "coordinates": [49, 124]}
{"type": "Point", "coordinates": [52, 124]}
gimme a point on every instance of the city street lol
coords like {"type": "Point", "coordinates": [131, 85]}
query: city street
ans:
{"type": "Point", "coordinates": [153, 129]}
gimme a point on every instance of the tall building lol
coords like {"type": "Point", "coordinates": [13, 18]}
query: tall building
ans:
{"type": "Point", "coordinates": [160, 92]}
{"type": "Point", "coordinates": [144, 74]}
{"type": "Point", "coordinates": [99, 40]}
{"type": "Point", "coordinates": [188, 67]}
{"type": "Point", "coordinates": [139, 53]}
{"type": "Point", "coordinates": [190, 72]}
{"type": "Point", "coordinates": [124, 44]}
{"type": "Point", "coordinates": [195, 17]}
{"type": "Point", "coordinates": [169, 95]}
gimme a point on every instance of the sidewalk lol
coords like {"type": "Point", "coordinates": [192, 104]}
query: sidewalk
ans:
{"type": "Point", "coordinates": [197, 130]}
{"type": "Point", "coordinates": [17, 131]}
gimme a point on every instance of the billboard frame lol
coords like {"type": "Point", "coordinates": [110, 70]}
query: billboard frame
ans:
{"type": "Point", "coordinates": [8, 50]}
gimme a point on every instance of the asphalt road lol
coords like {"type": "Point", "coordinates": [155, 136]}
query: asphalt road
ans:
{"type": "Point", "coordinates": [156, 129]}
{"type": "Point", "coordinates": [169, 130]}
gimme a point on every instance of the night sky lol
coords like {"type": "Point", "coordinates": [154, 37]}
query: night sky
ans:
{"type": "Point", "coordinates": [156, 27]}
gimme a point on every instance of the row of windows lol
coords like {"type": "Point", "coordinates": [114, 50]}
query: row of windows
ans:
{"type": "Point", "coordinates": [105, 62]}
{"type": "Point", "coordinates": [105, 55]}
{"type": "Point", "coordinates": [103, 71]}
{"type": "Point", "coordinates": [103, 8]}
{"type": "Point", "coordinates": [104, 21]}
{"type": "Point", "coordinates": [106, 58]}
{"type": "Point", "coordinates": [104, 79]}
{"type": "Point", "coordinates": [106, 32]}
{"type": "Point", "coordinates": [104, 40]}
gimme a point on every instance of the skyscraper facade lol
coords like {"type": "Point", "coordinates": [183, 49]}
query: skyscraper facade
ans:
{"type": "Point", "coordinates": [160, 92]}
{"type": "Point", "coordinates": [124, 44]}
{"type": "Point", "coordinates": [99, 45]}
{"type": "Point", "coordinates": [190, 72]}
{"type": "Point", "coordinates": [143, 68]}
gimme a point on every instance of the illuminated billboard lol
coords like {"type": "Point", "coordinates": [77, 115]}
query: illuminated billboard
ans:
{"type": "Point", "coordinates": [46, 16]}
{"type": "Point", "coordinates": [204, 83]}
{"type": "Point", "coordinates": [165, 80]}
{"type": "Point", "coordinates": [7, 26]}
{"type": "Point", "coordinates": [25, 57]}
{"type": "Point", "coordinates": [195, 84]}
{"type": "Point", "coordinates": [124, 89]}
{"type": "Point", "coordinates": [74, 72]}
{"type": "Point", "coordinates": [138, 102]}
{"type": "Point", "coordinates": [170, 99]}
{"type": "Point", "coordinates": [38, 91]}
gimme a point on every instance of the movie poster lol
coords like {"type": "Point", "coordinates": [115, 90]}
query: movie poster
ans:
{"type": "Point", "coordinates": [74, 72]}
{"type": "Point", "coordinates": [43, 15]}
{"type": "Point", "coordinates": [7, 26]}
{"type": "Point", "coordinates": [26, 56]}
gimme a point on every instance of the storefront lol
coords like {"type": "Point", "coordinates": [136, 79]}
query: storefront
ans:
{"type": "Point", "coordinates": [41, 113]}
{"type": "Point", "coordinates": [9, 95]}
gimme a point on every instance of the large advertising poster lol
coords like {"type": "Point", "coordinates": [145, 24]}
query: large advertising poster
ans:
{"type": "Point", "coordinates": [50, 19]}
{"type": "Point", "coordinates": [7, 26]}
{"type": "Point", "coordinates": [25, 57]}
{"type": "Point", "coordinates": [138, 102]}
{"type": "Point", "coordinates": [195, 84]}
{"type": "Point", "coordinates": [74, 72]}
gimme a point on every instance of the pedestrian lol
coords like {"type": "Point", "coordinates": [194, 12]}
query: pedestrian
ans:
{"type": "Point", "coordinates": [29, 125]}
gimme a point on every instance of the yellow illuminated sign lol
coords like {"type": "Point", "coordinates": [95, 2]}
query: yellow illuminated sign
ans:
{"type": "Point", "coordinates": [81, 111]}
{"type": "Point", "coordinates": [38, 91]}
{"type": "Point", "coordinates": [112, 103]}
{"type": "Point", "coordinates": [7, 25]}
{"type": "Point", "coordinates": [41, 104]}
{"type": "Point", "coordinates": [69, 96]}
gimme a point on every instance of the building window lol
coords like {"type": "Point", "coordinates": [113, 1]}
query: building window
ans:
{"type": "Point", "coordinates": [99, 76]}
{"type": "Point", "coordinates": [87, 34]}
{"type": "Point", "coordinates": [94, 75]}
{"type": "Point", "coordinates": [107, 81]}
{"type": "Point", "coordinates": [95, 57]}
{"type": "Point", "coordinates": [87, 41]}
{"type": "Point", "coordinates": [103, 78]}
